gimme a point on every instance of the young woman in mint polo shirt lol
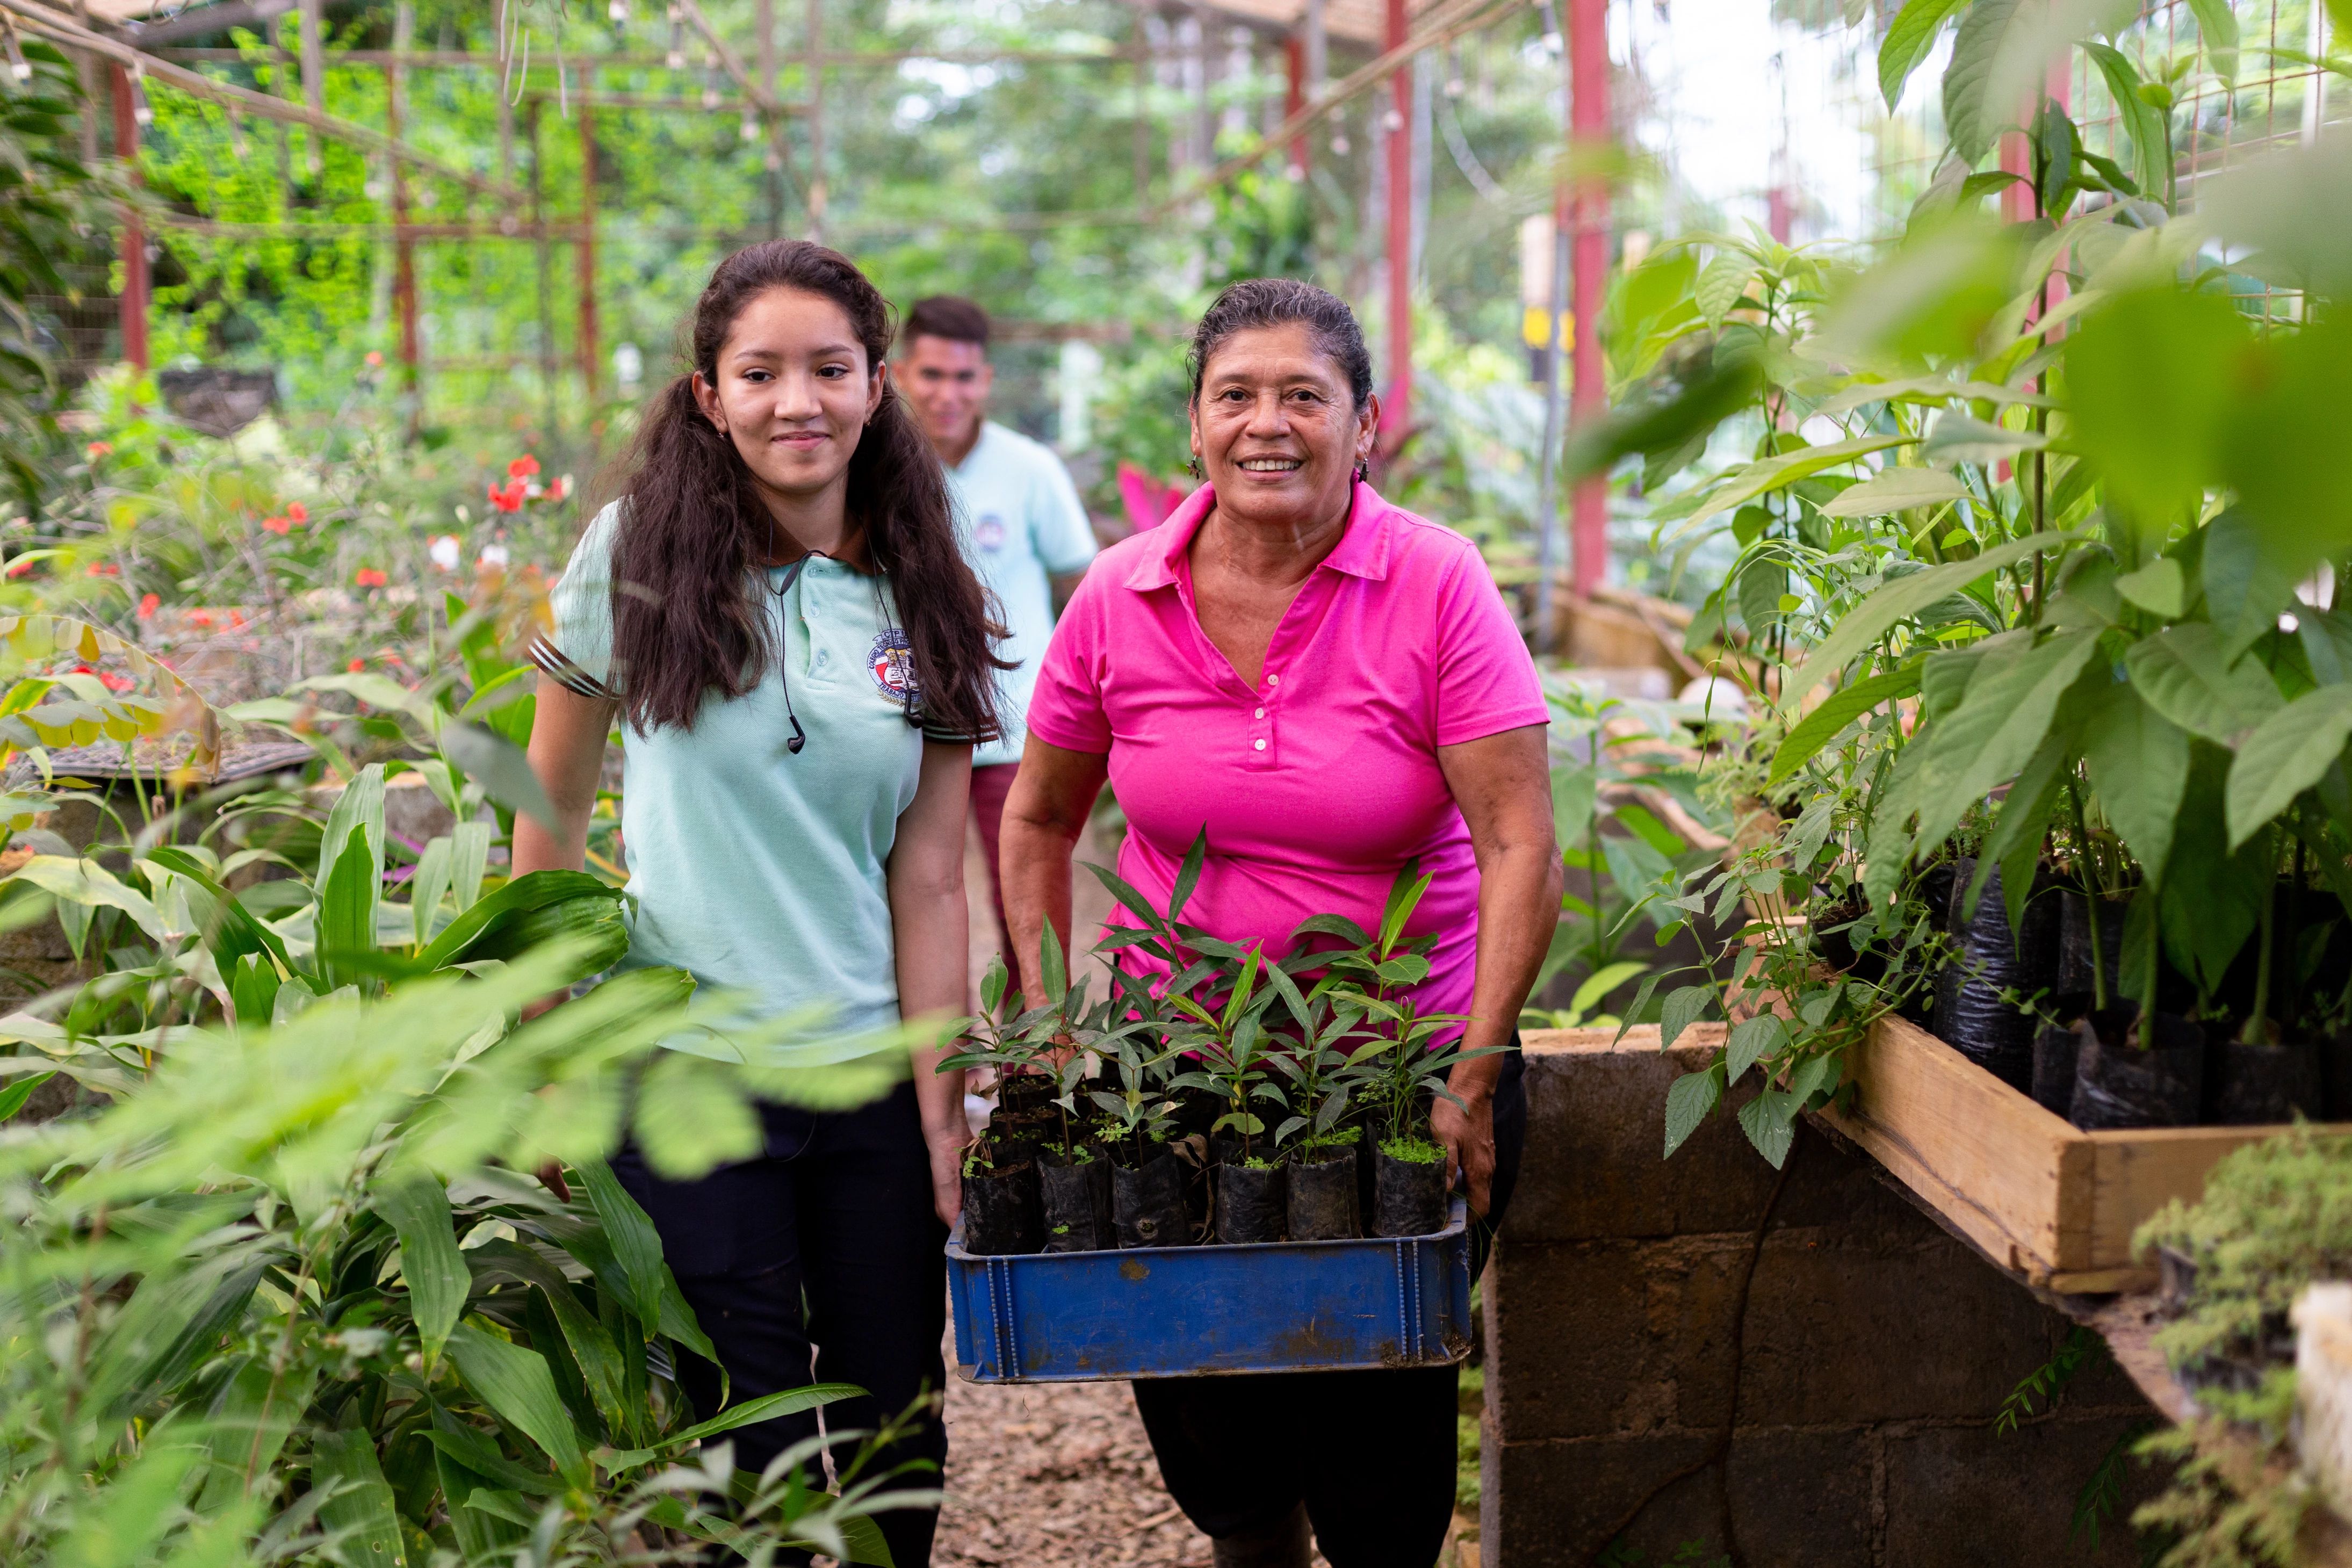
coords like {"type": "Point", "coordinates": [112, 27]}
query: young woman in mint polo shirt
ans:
{"type": "Point", "coordinates": [1332, 688]}
{"type": "Point", "coordinates": [777, 615]}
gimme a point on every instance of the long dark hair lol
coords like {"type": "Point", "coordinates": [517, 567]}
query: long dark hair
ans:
{"type": "Point", "coordinates": [684, 622]}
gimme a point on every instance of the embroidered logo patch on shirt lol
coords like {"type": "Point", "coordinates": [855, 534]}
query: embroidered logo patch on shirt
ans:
{"type": "Point", "coordinates": [892, 661]}
{"type": "Point", "coordinates": [989, 532]}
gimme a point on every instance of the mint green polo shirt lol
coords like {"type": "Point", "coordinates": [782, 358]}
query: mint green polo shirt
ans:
{"type": "Point", "coordinates": [755, 869]}
{"type": "Point", "coordinates": [1019, 519]}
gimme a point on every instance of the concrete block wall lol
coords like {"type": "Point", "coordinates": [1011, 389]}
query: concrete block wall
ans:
{"type": "Point", "coordinates": [1787, 1367]}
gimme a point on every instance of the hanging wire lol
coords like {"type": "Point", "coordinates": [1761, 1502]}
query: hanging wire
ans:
{"type": "Point", "coordinates": [1459, 145]}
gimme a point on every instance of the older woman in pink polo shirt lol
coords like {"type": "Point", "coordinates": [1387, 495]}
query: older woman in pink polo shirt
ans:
{"type": "Point", "coordinates": [1332, 686]}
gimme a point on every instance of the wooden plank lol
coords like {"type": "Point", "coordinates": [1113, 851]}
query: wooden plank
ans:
{"type": "Point", "coordinates": [2137, 1171]}
{"type": "Point", "coordinates": [1995, 1160]}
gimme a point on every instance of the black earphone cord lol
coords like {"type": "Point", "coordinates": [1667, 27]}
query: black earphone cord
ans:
{"type": "Point", "coordinates": [785, 654]}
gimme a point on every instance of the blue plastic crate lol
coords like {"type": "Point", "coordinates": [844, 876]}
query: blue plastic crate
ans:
{"type": "Point", "coordinates": [1180, 1312]}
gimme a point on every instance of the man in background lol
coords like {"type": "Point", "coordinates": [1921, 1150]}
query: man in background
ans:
{"type": "Point", "coordinates": [1018, 516]}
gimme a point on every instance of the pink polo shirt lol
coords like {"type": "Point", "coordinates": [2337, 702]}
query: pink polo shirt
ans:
{"type": "Point", "coordinates": [1317, 786]}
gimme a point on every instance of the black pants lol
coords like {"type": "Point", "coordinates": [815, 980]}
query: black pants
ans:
{"type": "Point", "coordinates": [1371, 1454]}
{"type": "Point", "coordinates": [829, 1237]}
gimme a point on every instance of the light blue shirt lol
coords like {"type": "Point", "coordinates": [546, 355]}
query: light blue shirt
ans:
{"type": "Point", "coordinates": [753, 868]}
{"type": "Point", "coordinates": [1020, 522]}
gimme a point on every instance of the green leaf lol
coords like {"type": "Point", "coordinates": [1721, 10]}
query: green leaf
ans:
{"type": "Point", "coordinates": [2246, 587]}
{"type": "Point", "coordinates": [1600, 984]}
{"type": "Point", "coordinates": [2217, 28]}
{"type": "Point", "coordinates": [347, 906]}
{"type": "Point", "coordinates": [1771, 1119]}
{"type": "Point", "coordinates": [1780, 472]}
{"type": "Point", "coordinates": [2184, 676]}
{"type": "Point", "coordinates": [360, 1512]}
{"type": "Point", "coordinates": [1999, 726]}
{"type": "Point", "coordinates": [141, 1501]}
{"type": "Point", "coordinates": [1750, 1041]}
{"type": "Point", "coordinates": [601, 1370]}
{"type": "Point", "coordinates": [1909, 39]}
{"type": "Point", "coordinates": [360, 808]}
{"type": "Point", "coordinates": [1688, 1101]}
{"type": "Point", "coordinates": [1837, 710]}
{"type": "Point", "coordinates": [438, 1280]}
{"type": "Point", "coordinates": [2152, 373]}
{"type": "Point", "coordinates": [13, 1098]}
{"type": "Point", "coordinates": [2142, 123]}
{"type": "Point", "coordinates": [767, 1407]}
{"type": "Point", "coordinates": [501, 767]}
{"type": "Point", "coordinates": [1188, 875]}
{"type": "Point", "coordinates": [636, 1246]}
{"type": "Point", "coordinates": [2139, 761]}
{"type": "Point", "coordinates": [2160, 588]}
{"type": "Point", "coordinates": [469, 855]}
{"type": "Point", "coordinates": [1971, 122]}
{"type": "Point", "coordinates": [428, 886]}
{"type": "Point", "coordinates": [2286, 753]}
{"type": "Point", "coordinates": [2326, 639]}
{"type": "Point", "coordinates": [86, 884]}
{"type": "Point", "coordinates": [530, 891]}
{"type": "Point", "coordinates": [1899, 601]}
{"type": "Point", "coordinates": [516, 1383]}
{"type": "Point", "coordinates": [1894, 490]}
{"type": "Point", "coordinates": [1683, 1008]}
{"type": "Point", "coordinates": [1053, 972]}
{"type": "Point", "coordinates": [1721, 285]}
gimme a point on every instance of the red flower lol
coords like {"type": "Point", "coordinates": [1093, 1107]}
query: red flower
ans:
{"type": "Point", "coordinates": [522, 467]}
{"type": "Point", "coordinates": [237, 620]}
{"type": "Point", "coordinates": [104, 569]}
{"type": "Point", "coordinates": [369, 576]}
{"type": "Point", "coordinates": [96, 449]}
{"type": "Point", "coordinates": [20, 566]}
{"type": "Point", "coordinates": [200, 618]}
{"type": "Point", "coordinates": [147, 605]}
{"type": "Point", "coordinates": [277, 525]}
{"type": "Point", "coordinates": [114, 682]}
{"type": "Point", "coordinates": [560, 488]}
{"type": "Point", "coordinates": [375, 360]}
{"type": "Point", "coordinates": [295, 512]}
{"type": "Point", "coordinates": [508, 498]}
{"type": "Point", "coordinates": [356, 665]}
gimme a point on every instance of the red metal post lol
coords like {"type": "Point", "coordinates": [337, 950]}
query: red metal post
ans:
{"type": "Point", "coordinates": [587, 246]}
{"type": "Point", "coordinates": [1396, 417]}
{"type": "Point", "coordinates": [133, 301]}
{"type": "Point", "coordinates": [1294, 94]}
{"type": "Point", "coordinates": [1588, 50]}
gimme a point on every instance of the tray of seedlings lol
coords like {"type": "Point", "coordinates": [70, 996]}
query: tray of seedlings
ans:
{"type": "Point", "coordinates": [1224, 1165]}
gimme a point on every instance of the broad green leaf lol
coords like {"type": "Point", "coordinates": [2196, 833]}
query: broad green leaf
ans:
{"type": "Point", "coordinates": [1682, 1009]}
{"type": "Point", "coordinates": [1837, 710]}
{"type": "Point", "coordinates": [1894, 490]}
{"type": "Point", "coordinates": [2160, 588]}
{"type": "Point", "coordinates": [516, 1383]}
{"type": "Point", "coordinates": [1999, 726]}
{"type": "Point", "coordinates": [1770, 1119]}
{"type": "Point", "coordinates": [1750, 1041]}
{"type": "Point", "coordinates": [359, 807]}
{"type": "Point", "coordinates": [1600, 983]}
{"type": "Point", "coordinates": [2212, 896]}
{"type": "Point", "coordinates": [1811, 1076]}
{"type": "Point", "coordinates": [438, 1280]}
{"type": "Point", "coordinates": [1909, 39]}
{"type": "Point", "coordinates": [2217, 29]}
{"type": "Point", "coordinates": [501, 767]}
{"type": "Point", "coordinates": [593, 1352]}
{"type": "Point", "coordinates": [2184, 674]}
{"type": "Point", "coordinates": [428, 886]}
{"type": "Point", "coordinates": [1900, 600]}
{"type": "Point", "coordinates": [347, 910]}
{"type": "Point", "coordinates": [1959, 438]}
{"type": "Point", "coordinates": [86, 884]}
{"type": "Point", "coordinates": [2246, 586]}
{"type": "Point", "coordinates": [1969, 121]}
{"type": "Point", "coordinates": [253, 1413]}
{"type": "Point", "coordinates": [232, 933]}
{"type": "Point", "coordinates": [1721, 285]}
{"type": "Point", "coordinates": [1780, 472]}
{"type": "Point", "coordinates": [767, 1407]}
{"type": "Point", "coordinates": [2152, 372]}
{"type": "Point", "coordinates": [2286, 753]}
{"type": "Point", "coordinates": [530, 891]}
{"type": "Point", "coordinates": [142, 1500]}
{"type": "Point", "coordinates": [636, 1246]}
{"type": "Point", "coordinates": [2326, 639]}
{"type": "Point", "coordinates": [2141, 121]}
{"type": "Point", "coordinates": [361, 1512]}
{"type": "Point", "coordinates": [469, 856]}
{"type": "Point", "coordinates": [2139, 761]}
{"type": "Point", "coordinates": [1688, 1101]}
{"type": "Point", "coordinates": [1054, 974]}
{"type": "Point", "coordinates": [13, 1098]}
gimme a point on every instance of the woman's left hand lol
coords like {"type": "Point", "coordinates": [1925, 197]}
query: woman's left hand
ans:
{"type": "Point", "coordinates": [947, 1172]}
{"type": "Point", "coordinates": [1467, 1131]}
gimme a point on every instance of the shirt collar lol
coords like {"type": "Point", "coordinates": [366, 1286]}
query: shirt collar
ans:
{"type": "Point", "coordinates": [1363, 550]}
